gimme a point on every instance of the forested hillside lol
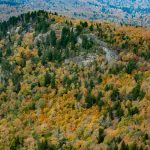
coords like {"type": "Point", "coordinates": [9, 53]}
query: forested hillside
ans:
{"type": "Point", "coordinates": [73, 84]}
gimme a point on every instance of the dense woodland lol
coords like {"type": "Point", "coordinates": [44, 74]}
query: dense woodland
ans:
{"type": "Point", "coordinates": [48, 101]}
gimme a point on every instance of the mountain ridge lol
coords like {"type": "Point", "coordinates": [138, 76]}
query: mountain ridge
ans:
{"type": "Point", "coordinates": [130, 12]}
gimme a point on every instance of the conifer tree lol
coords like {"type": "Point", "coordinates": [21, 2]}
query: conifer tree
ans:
{"type": "Point", "coordinates": [53, 38]}
{"type": "Point", "coordinates": [65, 36]}
{"type": "Point", "coordinates": [101, 135]}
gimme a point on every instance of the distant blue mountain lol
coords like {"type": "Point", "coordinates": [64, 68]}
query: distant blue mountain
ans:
{"type": "Point", "coordinates": [124, 11]}
{"type": "Point", "coordinates": [10, 3]}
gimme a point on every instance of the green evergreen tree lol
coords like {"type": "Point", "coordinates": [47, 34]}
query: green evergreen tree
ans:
{"type": "Point", "coordinates": [53, 38]}
{"type": "Point", "coordinates": [39, 52]}
{"type": "Point", "coordinates": [90, 100]}
{"type": "Point", "coordinates": [115, 95]}
{"type": "Point", "coordinates": [73, 39]}
{"type": "Point", "coordinates": [53, 82]}
{"type": "Point", "coordinates": [137, 93]}
{"type": "Point", "coordinates": [79, 29]}
{"type": "Point", "coordinates": [86, 43]}
{"type": "Point", "coordinates": [91, 27]}
{"type": "Point", "coordinates": [78, 96]}
{"type": "Point", "coordinates": [47, 40]}
{"type": "Point", "coordinates": [1, 55]}
{"type": "Point", "coordinates": [17, 143]}
{"type": "Point", "coordinates": [124, 146]}
{"type": "Point", "coordinates": [65, 36]}
{"type": "Point", "coordinates": [84, 24]}
{"type": "Point", "coordinates": [133, 146]}
{"type": "Point", "coordinates": [131, 66]}
{"type": "Point", "coordinates": [101, 135]}
{"type": "Point", "coordinates": [99, 79]}
{"type": "Point", "coordinates": [99, 100]}
{"type": "Point", "coordinates": [133, 110]}
{"type": "Point", "coordinates": [49, 55]}
{"type": "Point", "coordinates": [47, 79]}
{"type": "Point", "coordinates": [44, 59]}
{"type": "Point", "coordinates": [8, 51]}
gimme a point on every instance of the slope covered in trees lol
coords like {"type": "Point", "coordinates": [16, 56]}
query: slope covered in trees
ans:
{"type": "Point", "coordinates": [51, 99]}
